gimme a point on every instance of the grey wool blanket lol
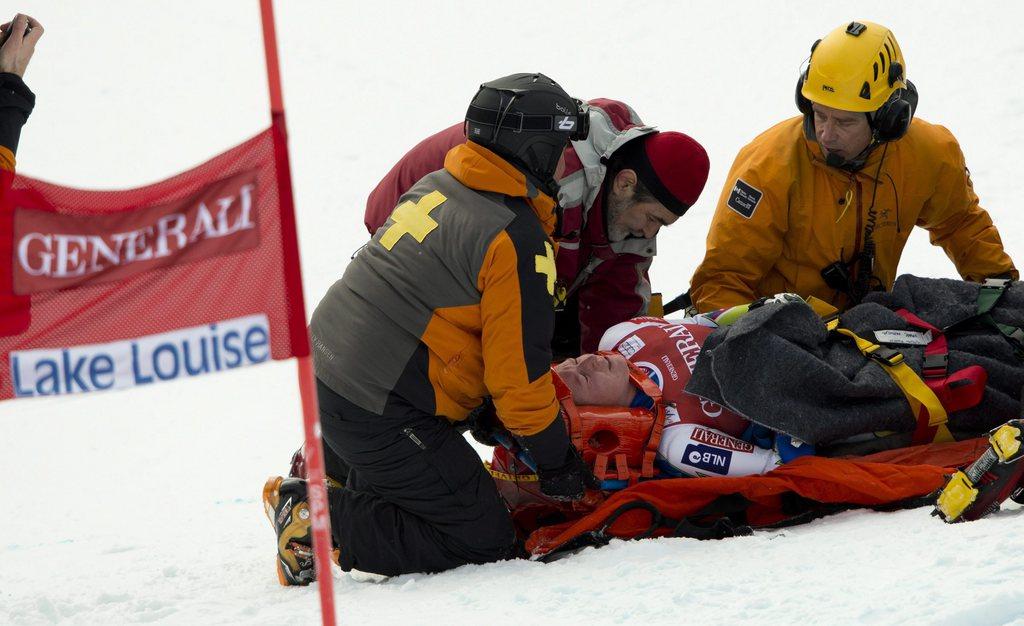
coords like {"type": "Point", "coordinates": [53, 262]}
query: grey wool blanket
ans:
{"type": "Point", "coordinates": [779, 367]}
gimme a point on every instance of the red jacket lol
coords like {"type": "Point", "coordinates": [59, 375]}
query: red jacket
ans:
{"type": "Point", "coordinates": [617, 287]}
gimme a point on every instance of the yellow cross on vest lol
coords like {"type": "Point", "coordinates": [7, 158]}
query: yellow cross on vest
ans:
{"type": "Point", "coordinates": [545, 264]}
{"type": "Point", "coordinates": [412, 219]}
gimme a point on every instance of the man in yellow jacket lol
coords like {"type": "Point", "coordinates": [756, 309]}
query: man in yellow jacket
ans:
{"type": "Point", "coordinates": [822, 204]}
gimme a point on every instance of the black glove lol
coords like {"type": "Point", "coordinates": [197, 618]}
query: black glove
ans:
{"type": "Point", "coordinates": [568, 482]}
{"type": "Point", "coordinates": [561, 472]}
{"type": "Point", "coordinates": [483, 423]}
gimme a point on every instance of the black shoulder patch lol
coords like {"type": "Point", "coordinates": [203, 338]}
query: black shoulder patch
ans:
{"type": "Point", "coordinates": [744, 198]}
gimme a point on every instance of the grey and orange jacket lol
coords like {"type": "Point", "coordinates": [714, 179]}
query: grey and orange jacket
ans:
{"type": "Point", "coordinates": [784, 215]}
{"type": "Point", "coordinates": [610, 279]}
{"type": "Point", "coordinates": [451, 301]}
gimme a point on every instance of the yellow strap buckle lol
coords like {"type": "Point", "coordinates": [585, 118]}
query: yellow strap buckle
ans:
{"type": "Point", "coordinates": [886, 356]}
{"type": "Point", "coordinates": [918, 394]}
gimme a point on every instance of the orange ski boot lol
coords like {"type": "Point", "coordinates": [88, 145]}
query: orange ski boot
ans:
{"type": "Point", "coordinates": [284, 500]}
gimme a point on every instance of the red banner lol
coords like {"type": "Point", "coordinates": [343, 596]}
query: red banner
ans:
{"type": "Point", "coordinates": [110, 289]}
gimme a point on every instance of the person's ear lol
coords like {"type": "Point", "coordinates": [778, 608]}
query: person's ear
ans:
{"type": "Point", "coordinates": [625, 182]}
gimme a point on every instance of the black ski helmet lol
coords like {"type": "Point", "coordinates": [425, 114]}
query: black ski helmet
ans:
{"type": "Point", "coordinates": [527, 119]}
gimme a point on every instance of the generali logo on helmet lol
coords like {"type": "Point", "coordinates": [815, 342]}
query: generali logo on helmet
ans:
{"type": "Point", "coordinates": [55, 251]}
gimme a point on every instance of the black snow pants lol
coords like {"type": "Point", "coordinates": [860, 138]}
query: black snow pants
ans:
{"type": "Point", "coordinates": [418, 498]}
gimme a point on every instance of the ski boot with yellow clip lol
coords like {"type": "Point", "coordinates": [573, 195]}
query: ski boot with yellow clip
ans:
{"type": "Point", "coordinates": [996, 475]}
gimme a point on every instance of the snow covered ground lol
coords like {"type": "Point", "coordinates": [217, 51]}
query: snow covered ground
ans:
{"type": "Point", "coordinates": [143, 505]}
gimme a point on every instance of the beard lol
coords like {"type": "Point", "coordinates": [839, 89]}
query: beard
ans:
{"type": "Point", "coordinates": [616, 207]}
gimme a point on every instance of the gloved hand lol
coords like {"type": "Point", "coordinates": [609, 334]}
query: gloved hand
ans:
{"type": "Point", "coordinates": [483, 424]}
{"type": "Point", "coordinates": [561, 472]}
{"type": "Point", "coordinates": [782, 298]}
{"type": "Point", "coordinates": [789, 448]}
{"type": "Point", "coordinates": [568, 482]}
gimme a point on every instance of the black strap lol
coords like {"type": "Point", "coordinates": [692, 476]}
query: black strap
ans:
{"type": "Point", "coordinates": [723, 509]}
{"type": "Point", "coordinates": [989, 294]}
{"type": "Point", "coordinates": [722, 528]}
{"type": "Point", "coordinates": [680, 302]}
{"type": "Point", "coordinates": [657, 518]}
{"type": "Point", "coordinates": [729, 509]}
{"type": "Point", "coordinates": [513, 120]}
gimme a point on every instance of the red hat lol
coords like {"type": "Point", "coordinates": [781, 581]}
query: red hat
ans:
{"type": "Point", "coordinates": [673, 166]}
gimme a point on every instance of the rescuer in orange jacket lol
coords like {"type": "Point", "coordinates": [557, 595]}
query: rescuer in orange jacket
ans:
{"type": "Point", "coordinates": [822, 204]}
{"type": "Point", "coordinates": [451, 302]}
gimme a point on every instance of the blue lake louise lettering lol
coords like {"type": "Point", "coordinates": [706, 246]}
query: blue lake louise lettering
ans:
{"type": "Point", "coordinates": [181, 353]}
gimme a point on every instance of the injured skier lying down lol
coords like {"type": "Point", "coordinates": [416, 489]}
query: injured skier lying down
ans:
{"type": "Point", "coordinates": [698, 438]}
{"type": "Point", "coordinates": [628, 414]}
{"type": "Point", "coordinates": [946, 362]}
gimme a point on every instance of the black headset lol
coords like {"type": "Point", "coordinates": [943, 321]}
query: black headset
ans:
{"type": "Point", "coordinates": [890, 122]}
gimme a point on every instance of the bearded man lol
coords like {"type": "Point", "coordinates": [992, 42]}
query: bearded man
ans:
{"type": "Point", "coordinates": [616, 189]}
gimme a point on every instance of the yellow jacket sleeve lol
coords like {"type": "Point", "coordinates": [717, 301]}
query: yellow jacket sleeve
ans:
{"type": "Point", "coordinates": [956, 221]}
{"type": "Point", "coordinates": [746, 235]}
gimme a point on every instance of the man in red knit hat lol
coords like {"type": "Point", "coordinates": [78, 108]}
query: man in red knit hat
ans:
{"type": "Point", "coordinates": [616, 190]}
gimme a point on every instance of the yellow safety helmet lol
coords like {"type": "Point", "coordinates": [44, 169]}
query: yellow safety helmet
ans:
{"type": "Point", "coordinates": [855, 68]}
{"type": "Point", "coordinates": [859, 67]}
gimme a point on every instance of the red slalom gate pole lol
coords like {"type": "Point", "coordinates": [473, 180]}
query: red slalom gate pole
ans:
{"type": "Point", "coordinates": [316, 483]}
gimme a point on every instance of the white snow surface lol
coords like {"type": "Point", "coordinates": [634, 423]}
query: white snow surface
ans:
{"type": "Point", "coordinates": [143, 505]}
